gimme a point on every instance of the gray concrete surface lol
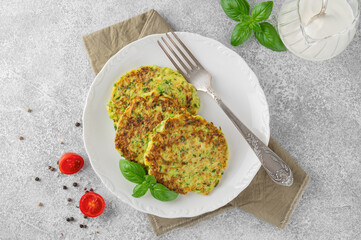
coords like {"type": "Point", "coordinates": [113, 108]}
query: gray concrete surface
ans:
{"type": "Point", "coordinates": [315, 115]}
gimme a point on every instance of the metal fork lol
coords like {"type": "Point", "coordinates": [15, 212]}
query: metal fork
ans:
{"type": "Point", "coordinates": [195, 73]}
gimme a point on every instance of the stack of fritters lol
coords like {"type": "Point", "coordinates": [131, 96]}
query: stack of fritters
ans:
{"type": "Point", "coordinates": [153, 112]}
{"type": "Point", "coordinates": [138, 121]}
{"type": "Point", "coordinates": [148, 80]}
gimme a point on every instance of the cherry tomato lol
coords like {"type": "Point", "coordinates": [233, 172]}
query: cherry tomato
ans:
{"type": "Point", "coordinates": [92, 204]}
{"type": "Point", "coordinates": [70, 163]}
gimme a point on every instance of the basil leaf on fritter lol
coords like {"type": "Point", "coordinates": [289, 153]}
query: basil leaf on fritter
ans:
{"type": "Point", "coordinates": [140, 189]}
{"type": "Point", "coordinates": [162, 193]}
{"type": "Point", "coordinates": [132, 171]}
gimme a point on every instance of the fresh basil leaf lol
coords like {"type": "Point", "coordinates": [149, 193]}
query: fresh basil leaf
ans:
{"type": "Point", "coordinates": [140, 189]}
{"type": "Point", "coordinates": [269, 37]}
{"type": "Point", "coordinates": [132, 171]}
{"type": "Point", "coordinates": [240, 34]}
{"type": "Point", "coordinates": [235, 8]}
{"type": "Point", "coordinates": [262, 11]}
{"type": "Point", "coordinates": [162, 193]}
{"type": "Point", "coordinates": [150, 179]}
{"type": "Point", "coordinates": [255, 26]}
{"type": "Point", "coordinates": [245, 18]}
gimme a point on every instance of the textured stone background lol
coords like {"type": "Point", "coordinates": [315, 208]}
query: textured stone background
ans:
{"type": "Point", "coordinates": [315, 115]}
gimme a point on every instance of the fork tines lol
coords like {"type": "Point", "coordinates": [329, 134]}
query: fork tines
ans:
{"type": "Point", "coordinates": [186, 68]}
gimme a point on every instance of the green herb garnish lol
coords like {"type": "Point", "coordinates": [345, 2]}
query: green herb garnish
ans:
{"type": "Point", "coordinates": [264, 32]}
{"type": "Point", "coordinates": [146, 89]}
{"type": "Point", "coordinates": [167, 81]}
{"type": "Point", "coordinates": [135, 173]}
{"type": "Point", "coordinates": [162, 193]}
{"type": "Point", "coordinates": [140, 117]}
{"type": "Point", "coordinates": [161, 90]}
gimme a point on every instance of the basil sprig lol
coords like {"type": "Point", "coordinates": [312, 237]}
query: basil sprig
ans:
{"type": "Point", "coordinates": [135, 173]}
{"type": "Point", "coordinates": [265, 33]}
{"type": "Point", "coordinates": [234, 9]}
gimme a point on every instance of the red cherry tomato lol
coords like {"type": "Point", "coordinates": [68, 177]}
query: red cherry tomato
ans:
{"type": "Point", "coordinates": [70, 163]}
{"type": "Point", "coordinates": [92, 204]}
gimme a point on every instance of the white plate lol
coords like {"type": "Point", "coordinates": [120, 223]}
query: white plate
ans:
{"type": "Point", "coordinates": [233, 80]}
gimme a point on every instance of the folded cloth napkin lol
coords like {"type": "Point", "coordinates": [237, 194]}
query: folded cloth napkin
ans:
{"type": "Point", "coordinates": [263, 198]}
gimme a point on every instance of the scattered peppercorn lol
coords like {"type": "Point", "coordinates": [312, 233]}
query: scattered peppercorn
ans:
{"type": "Point", "coordinates": [85, 216]}
{"type": "Point", "coordinates": [61, 142]}
{"type": "Point", "coordinates": [69, 200]}
{"type": "Point", "coordinates": [91, 190]}
{"type": "Point", "coordinates": [75, 184]}
{"type": "Point", "coordinates": [28, 110]}
{"type": "Point", "coordinates": [65, 187]}
{"type": "Point", "coordinates": [85, 189]}
{"type": "Point", "coordinates": [52, 169]}
{"type": "Point", "coordinates": [21, 138]}
{"type": "Point", "coordinates": [77, 124]}
{"type": "Point", "coordinates": [71, 219]}
{"type": "Point", "coordinates": [81, 225]}
{"type": "Point", "coordinates": [40, 204]}
{"type": "Point", "coordinates": [85, 226]}
{"type": "Point", "coordinates": [37, 179]}
{"type": "Point", "coordinates": [68, 219]}
{"type": "Point", "coordinates": [57, 162]}
{"type": "Point", "coordinates": [77, 206]}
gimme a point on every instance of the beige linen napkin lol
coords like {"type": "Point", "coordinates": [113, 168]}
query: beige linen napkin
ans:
{"type": "Point", "coordinates": [263, 198]}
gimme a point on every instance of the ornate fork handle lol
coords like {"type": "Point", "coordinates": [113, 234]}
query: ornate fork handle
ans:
{"type": "Point", "coordinates": [275, 167]}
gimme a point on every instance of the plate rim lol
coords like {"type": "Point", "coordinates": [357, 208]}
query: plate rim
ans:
{"type": "Point", "coordinates": [126, 199]}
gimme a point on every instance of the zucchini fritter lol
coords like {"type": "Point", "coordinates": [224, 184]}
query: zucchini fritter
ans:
{"type": "Point", "coordinates": [187, 153]}
{"type": "Point", "coordinates": [146, 80]}
{"type": "Point", "coordinates": [139, 120]}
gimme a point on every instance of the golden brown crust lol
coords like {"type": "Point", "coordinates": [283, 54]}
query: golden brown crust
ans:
{"type": "Point", "coordinates": [139, 120]}
{"type": "Point", "coordinates": [146, 80]}
{"type": "Point", "coordinates": [187, 154]}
